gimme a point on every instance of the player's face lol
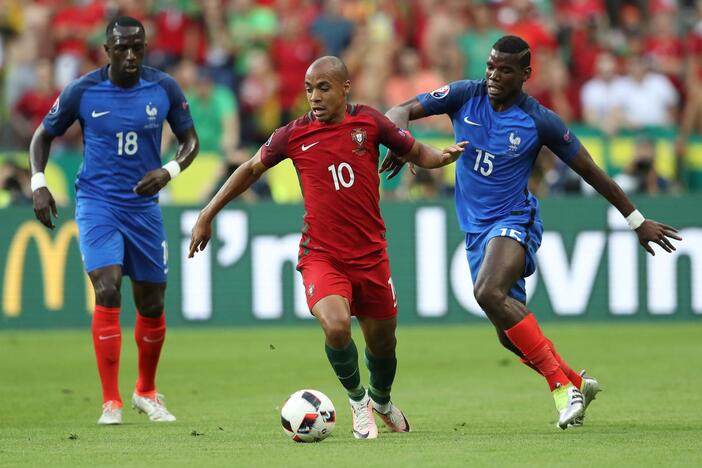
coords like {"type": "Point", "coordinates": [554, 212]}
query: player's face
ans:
{"type": "Point", "coordinates": [505, 76]}
{"type": "Point", "coordinates": [125, 49]}
{"type": "Point", "coordinates": [326, 95]}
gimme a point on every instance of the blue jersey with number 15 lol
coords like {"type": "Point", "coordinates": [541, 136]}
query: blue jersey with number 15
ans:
{"type": "Point", "coordinates": [493, 172]}
{"type": "Point", "coordinates": [121, 131]}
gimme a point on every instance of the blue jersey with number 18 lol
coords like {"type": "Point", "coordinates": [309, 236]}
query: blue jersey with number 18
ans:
{"type": "Point", "coordinates": [493, 172]}
{"type": "Point", "coordinates": [121, 131]}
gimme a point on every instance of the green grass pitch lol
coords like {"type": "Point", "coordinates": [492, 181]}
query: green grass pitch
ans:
{"type": "Point", "coordinates": [469, 401]}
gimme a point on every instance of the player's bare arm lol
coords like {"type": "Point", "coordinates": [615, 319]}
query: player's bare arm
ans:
{"type": "Point", "coordinates": [648, 230]}
{"type": "Point", "coordinates": [153, 181]}
{"type": "Point", "coordinates": [43, 201]}
{"type": "Point", "coordinates": [401, 115]}
{"type": "Point", "coordinates": [243, 178]}
{"type": "Point", "coordinates": [428, 157]}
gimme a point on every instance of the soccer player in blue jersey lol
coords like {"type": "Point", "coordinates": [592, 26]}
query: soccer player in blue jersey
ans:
{"type": "Point", "coordinates": [505, 129]}
{"type": "Point", "coordinates": [121, 109]}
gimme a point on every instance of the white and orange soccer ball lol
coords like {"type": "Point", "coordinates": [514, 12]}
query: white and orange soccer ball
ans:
{"type": "Point", "coordinates": [308, 416]}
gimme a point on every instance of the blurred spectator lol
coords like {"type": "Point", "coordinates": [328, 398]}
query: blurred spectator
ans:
{"type": "Point", "coordinates": [664, 47]}
{"type": "Point", "coordinates": [439, 44]}
{"type": "Point", "coordinates": [251, 27]}
{"type": "Point", "coordinates": [411, 79]}
{"type": "Point", "coordinates": [640, 176]}
{"type": "Point", "coordinates": [332, 29]}
{"type": "Point", "coordinates": [218, 55]}
{"type": "Point", "coordinates": [73, 26]}
{"type": "Point", "coordinates": [35, 103]}
{"type": "Point", "coordinates": [261, 112]}
{"type": "Point", "coordinates": [179, 33]}
{"type": "Point", "coordinates": [644, 98]}
{"type": "Point", "coordinates": [293, 51]}
{"type": "Point", "coordinates": [425, 185]}
{"type": "Point", "coordinates": [26, 34]}
{"type": "Point", "coordinates": [14, 184]}
{"type": "Point", "coordinates": [557, 92]}
{"type": "Point", "coordinates": [214, 109]}
{"type": "Point", "coordinates": [477, 39]}
{"type": "Point", "coordinates": [215, 113]}
{"type": "Point", "coordinates": [597, 96]}
{"type": "Point", "coordinates": [521, 18]}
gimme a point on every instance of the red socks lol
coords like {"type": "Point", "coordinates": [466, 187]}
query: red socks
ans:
{"type": "Point", "coordinates": [573, 376]}
{"type": "Point", "coordinates": [107, 340]}
{"type": "Point", "coordinates": [149, 333]}
{"type": "Point", "coordinates": [526, 335]}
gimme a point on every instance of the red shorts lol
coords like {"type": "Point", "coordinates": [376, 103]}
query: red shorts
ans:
{"type": "Point", "coordinates": [368, 289]}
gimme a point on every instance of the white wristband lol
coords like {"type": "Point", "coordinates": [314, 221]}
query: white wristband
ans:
{"type": "Point", "coordinates": [635, 219]}
{"type": "Point", "coordinates": [38, 181]}
{"type": "Point", "coordinates": [173, 168]}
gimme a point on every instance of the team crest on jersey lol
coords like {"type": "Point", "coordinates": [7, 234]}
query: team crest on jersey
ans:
{"type": "Point", "coordinates": [310, 290]}
{"type": "Point", "coordinates": [55, 106]}
{"type": "Point", "coordinates": [440, 93]}
{"type": "Point", "coordinates": [514, 141]}
{"type": "Point", "coordinates": [358, 135]}
{"type": "Point", "coordinates": [151, 111]}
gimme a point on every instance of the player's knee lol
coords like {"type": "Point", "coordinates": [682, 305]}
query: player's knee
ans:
{"type": "Point", "coordinates": [338, 333]}
{"type": "Point", "coordinates": [152, 308]}
{"type": "Point", "coordinates": [488, 297]}
{"type": "Point", "coordinates": [107, 294]}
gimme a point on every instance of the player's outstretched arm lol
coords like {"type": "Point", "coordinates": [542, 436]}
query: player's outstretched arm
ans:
{"type": "Point", "coordinates": [401, 115]}
{"type": "Point", "coordinates": [43, 201]}
{"type": "Point", "coordinates": [153, 181]}
{"type": "Point", "coordinates": [243, 178]}
{"type": "Point", "coordinates": [428, 157]}
{"type": "Point", "coordinates": [647, 230]}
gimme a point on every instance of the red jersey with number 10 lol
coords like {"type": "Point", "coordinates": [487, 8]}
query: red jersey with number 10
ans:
{"type": "Point", "coordinates": [337, 165]}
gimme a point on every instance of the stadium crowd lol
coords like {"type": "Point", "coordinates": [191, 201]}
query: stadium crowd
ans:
{"type": "Point", "coordinates": [612, 66]}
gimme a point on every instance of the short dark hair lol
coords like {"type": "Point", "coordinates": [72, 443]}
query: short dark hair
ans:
{"type": "Point", "coordinates": [514, 45]}
{"type": "Point", "coordinates": [124, 21]}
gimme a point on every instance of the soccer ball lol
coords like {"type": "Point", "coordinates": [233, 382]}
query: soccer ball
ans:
{"type": "Point", "coordinates": [308, 416]}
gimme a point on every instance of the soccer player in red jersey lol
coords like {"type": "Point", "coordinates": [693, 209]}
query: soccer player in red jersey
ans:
{"type": "Point", "coordinates": [343, 258]}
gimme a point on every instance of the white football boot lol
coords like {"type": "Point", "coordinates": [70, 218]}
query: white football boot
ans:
{"type": "Point", "coordinates": [392, 417]}
{"type": "Point", "coordinates": [111, 414]}
{"type": "Point", "coordinates": [364, 426]}
{"type": "Point", "coordinates": [569, 404]}
{"type": "Point", "coordinates": [589, 388]}
{"type": "Point", "coordinates": [154, 408]}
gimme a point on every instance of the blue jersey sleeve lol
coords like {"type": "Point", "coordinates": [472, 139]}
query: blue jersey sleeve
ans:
{"type": "Point", "coordinates": [179, 113]}
{"type": "Point", "coordinates": [554, 134]}
{"type": "Point", "coordinates": [447, 99]}
{"type": "Point", "coordinates": [65, 110]}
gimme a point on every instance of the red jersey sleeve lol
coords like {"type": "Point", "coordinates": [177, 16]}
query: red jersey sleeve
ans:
{"type": "Point", "coordinates": [276, 148]}
{"type": "Point", "coordinates": [398, 140]}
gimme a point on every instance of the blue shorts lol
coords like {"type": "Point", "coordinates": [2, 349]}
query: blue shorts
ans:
{"type": "Point", "coordinates": [526, 229]}
{"type": "Point", "coordinates": [134, 239]}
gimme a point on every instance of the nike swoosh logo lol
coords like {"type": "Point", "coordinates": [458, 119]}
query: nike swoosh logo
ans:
{"type": "Point", "coordinates": [361, 435]}
{"type": "Point", "coordinates": [306, 147]}
{"type": "Point", "coordinates": [103, 338]}
{"type": "Point", "coordinates": [153, 340]}
{"type": "Point", "coordinates": [99, 114]}
{"type": "Point", "coordinates": [470, 122]}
